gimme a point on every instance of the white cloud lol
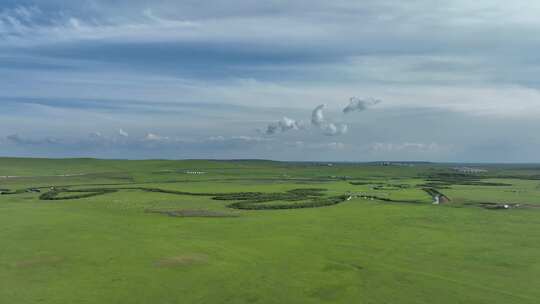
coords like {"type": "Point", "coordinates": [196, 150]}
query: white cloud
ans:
{"type": "Point", "coordinates": [155, 138]}
{"type": "Point", "coordinates": [283, 125]}
{"type": "Point", "coordinates": [236, 138]}
{"type": "Point", "coordinates": [407, 147]}
{"type": "Point", "coordinates": [123, 133]}
{"type": "Point", "coordinates": [328, 128]}
{"type": "Point", "coordinates": [317, 145]}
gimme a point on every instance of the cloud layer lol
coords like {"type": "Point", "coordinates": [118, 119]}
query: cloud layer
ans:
{"type": "Point", "coordinates": [171, 72]}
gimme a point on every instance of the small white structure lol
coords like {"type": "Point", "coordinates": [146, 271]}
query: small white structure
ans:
{"type": "Point", "coordinates": [194, 172]}
{"type": "Point", "coordinates": [469, 170]}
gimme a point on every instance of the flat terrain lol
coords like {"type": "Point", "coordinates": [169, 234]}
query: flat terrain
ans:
{"type": "Point", "coordinates": [157, 231]}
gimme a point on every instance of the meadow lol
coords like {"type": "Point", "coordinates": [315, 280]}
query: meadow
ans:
{"type": "Point", "coordinates": [252, 231]}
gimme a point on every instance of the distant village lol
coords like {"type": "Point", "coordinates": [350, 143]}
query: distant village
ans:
{"type": "Point", "coordinates": [469, 170]}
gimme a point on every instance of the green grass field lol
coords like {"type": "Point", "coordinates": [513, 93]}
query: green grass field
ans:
{"type": "Point", "coordinates": [157, 232]}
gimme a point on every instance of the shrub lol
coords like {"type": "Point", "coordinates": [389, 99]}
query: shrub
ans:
{"type": "Point", "coordinates": [317, 202]}
{"type": "Point", "coordinates": [82, 193]}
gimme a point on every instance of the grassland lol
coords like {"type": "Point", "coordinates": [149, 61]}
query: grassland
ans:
{"type": "Point", "coordinates": [111, 231]}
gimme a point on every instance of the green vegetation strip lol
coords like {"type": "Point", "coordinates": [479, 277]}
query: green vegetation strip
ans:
{"type": "Point", "coordinates": [8, 192]}
{"type": "Point", "coordinates": [193, 213]}
{"type": "Point", "coordinates": [443, 180]}
{"type": "Point", "coordinates": [82, 193]}
{"type": "Point", "coordinates": [292, 199]}
{"type": "Point", "coordinates": [317, 202]}
{"type": "Point", "coordinates": [301, 198]}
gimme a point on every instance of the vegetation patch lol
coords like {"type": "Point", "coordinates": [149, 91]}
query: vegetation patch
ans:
{"type": "Point", "coordinates": [158, 190]}
{"type": "Point", "coordinates": [8, 192]}
{"type": "Point", "coordinates": [306, 197]}
{"type": "Point", "coordinates": [56, 193]}
{"type": "Point", "coordinates": [391, 187]}
{"type": "Point", "coordinates": [357, 183]}
{"type": "Point", "coordinates": [182, 260]}
{"type": "Point", "coordinates": [448, 179]}
{"type": "Point", "coordinates": [386, 199]}
{"type": "Point", "coordinates": [193, 213]}
{"type": "Point", "coordinates": [499, 206]}
{"type": "Point", "coordinates": [300, 198]}
{"type": "Point", "coordinates": [316, 202]}
{"type": "Point", "coordinates": [260, 197]}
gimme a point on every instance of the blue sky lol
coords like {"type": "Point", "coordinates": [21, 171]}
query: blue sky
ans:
{"type": "Point", "coordinates": [429, 80]}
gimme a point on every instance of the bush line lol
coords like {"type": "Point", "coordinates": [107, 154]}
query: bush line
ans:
{"type": "Point", "coordinates": [318, 202]}
{"type": "Point", "coordinates": [247, 200]}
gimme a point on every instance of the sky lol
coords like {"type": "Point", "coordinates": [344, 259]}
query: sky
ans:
{"type": "Point", "coordinates": [343, 80]}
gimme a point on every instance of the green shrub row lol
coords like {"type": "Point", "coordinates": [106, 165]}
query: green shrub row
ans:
{"type": "Point", "coordinates": [314, 203]}
{"type": "Point", "coordinates": [82, 193]}
{"type": "Point", "coordinates": [248, 200]}
{"type": "Point", "coordinates": [447, 179]}
{"type": "Point", "coordinates": [7, 192]}
{"type": "Point", "coordinates": [386, 199]}
{"type": "Point", "coordinates": [260, 197]}
{"type": "Point", "coordinates": [158, 190]}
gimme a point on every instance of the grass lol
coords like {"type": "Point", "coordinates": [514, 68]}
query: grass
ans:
{"type": "Point", "coordinates": [109, 249]}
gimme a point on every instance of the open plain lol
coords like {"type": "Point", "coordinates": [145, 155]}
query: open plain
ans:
{"type": "Point", "coordinates": [114, 231]}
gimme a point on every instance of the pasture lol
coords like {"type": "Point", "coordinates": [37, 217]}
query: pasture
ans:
{"type": "Point", "coordinates": [117, 231]}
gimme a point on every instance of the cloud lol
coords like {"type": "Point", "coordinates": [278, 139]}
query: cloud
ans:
{"type": "Point", "coordinates": [240, 143]}
{"type": "Point", "coordinates": [19, 140]}
{"type": "Point", "coordinates": [17, 20]}
{"type": "Point", "coordinates": [283, 125]}
{"type": "Point", "coordinates": [123, 133]}
{"type": "Point", "coordinates": [236, 138]}
{"type": "Point", "coordinates": [16, 138]}
{"type": "Point", "coordinates": [155, 138]}
{"type": "Point", "coordinates": [406, 147]}
{"type": "Point", "coordinates": [328, 128]}
{"type": "Point", "coordinates": [317, 145]}
{"type": "Point", "coordinates": [336, 145]}
{"type": "Point", "coordinates": [95, 135]}
{"type": "Point", "coordinates": [456, 57]}
{"type": "Point", "coordinates": [358, 105]}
